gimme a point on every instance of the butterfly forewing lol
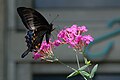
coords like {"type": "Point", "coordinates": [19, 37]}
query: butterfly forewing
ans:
{"type": "Point", "coordinates": [31, 18]}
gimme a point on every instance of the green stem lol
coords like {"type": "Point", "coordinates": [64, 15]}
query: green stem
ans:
{"type": "Point", "coordinates": [89, 71]}
{"type": "Point", "coordinates": [77, 61]}
{"type": "Point", "coordinates": [85, 59]}
{"type": "Point", "coordinates": [78, 64]}
{"type": "Point", "coordinates": [65, 65]}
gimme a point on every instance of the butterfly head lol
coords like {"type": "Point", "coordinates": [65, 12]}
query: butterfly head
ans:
{"type": "Point", "coordinates": [51, 27]}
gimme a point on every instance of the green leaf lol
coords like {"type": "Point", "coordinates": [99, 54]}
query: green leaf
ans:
{"type": "Point", "coordinates": [83, 67]}
{"type": "Point", "coordinates": [93, 71]}
{"type": "Point", "coordinates": [84, 77]}
{"type": "Point", "coordinates": [84, 73]}
{"type": "Point", "coordinates": [73, 74]}
{"type": "Point", "coordinates": [87, 62]}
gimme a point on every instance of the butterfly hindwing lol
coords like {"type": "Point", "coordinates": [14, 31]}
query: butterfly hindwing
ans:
{"type": "Point", "coordinates": [38, 40]}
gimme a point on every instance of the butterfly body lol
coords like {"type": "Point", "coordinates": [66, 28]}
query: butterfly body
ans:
{"type": "Point", "coordinates": [37, 27]}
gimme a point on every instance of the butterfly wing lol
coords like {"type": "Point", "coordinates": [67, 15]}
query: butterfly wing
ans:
{"type": "Point", "coordinates": [38, 40]}
{"type": "Point", "coordinates": [25, 53]}
{"type": "Point", "coordinates": [33, 42]}
{"type": "Point", "coordinates": [32, 19]}
{"type": "Point", "coordinates": [35, 22]}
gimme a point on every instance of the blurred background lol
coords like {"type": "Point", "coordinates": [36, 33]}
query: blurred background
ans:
{"type": "Point", "coordinates": [102, 18]}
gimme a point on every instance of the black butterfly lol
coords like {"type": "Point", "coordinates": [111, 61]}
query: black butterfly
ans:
{"type": "Point", "coordinates": [37, 27]}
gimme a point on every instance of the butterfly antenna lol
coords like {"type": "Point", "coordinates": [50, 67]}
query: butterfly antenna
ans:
{"type": "Point", "coordinates": [55, 18]}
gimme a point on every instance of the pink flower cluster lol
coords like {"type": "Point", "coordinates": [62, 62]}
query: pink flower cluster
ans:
{"type": "Point", "coordinates": [45, 52]}
{"type": "Point", "coordinates": [71, 36]}
{"type": "Point", "coordinates": [74, 38]}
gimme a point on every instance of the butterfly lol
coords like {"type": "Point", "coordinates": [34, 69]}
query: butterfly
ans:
{"type": "Point", "coordinates": [37, 27]}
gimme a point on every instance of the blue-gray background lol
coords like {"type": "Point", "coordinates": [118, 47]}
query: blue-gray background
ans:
{"type": "Point", "coordinates": [95, 14]}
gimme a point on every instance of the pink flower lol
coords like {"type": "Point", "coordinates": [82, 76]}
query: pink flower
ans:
{"type": "Point", "coordinates": [74, 38]}
{"type": "Point", "coordinates": [87, 39]}
{"type": "Point", "coordinates": [45, 52]}
{"type": "Point", "coordinates": [83, 29]}
{"type": "Point", "coordinates": [36, 55]}
{"type": "Point", "coordinates": [57, 42]}
{"type": "Point", "coordinates": [78, 38]}
{"type": "Point", "coordinates": [61, 34]}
